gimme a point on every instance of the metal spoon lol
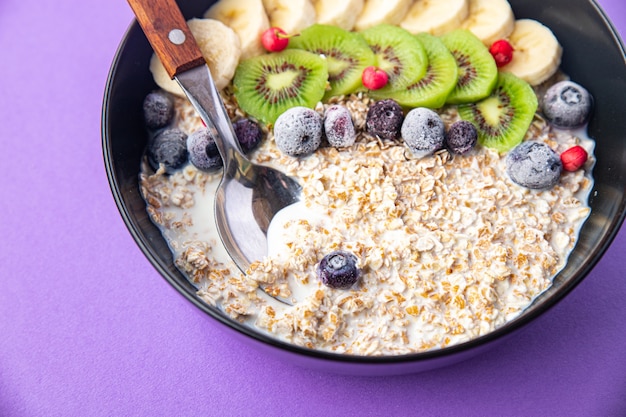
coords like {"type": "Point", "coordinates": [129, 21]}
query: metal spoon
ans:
{"type": "Point", "coordinates": [249, 195]}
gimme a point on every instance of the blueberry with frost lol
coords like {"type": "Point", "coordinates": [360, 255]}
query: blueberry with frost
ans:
{"type": "Point", "coordinates": [298, 131]}
{"type": "Point", "coordinates": [169, 148]}
{"type": "Point", "coordinates": [339, 127]}
{"type": "Point", "coordinates": [567, 105]}
{"type": "Point", "coordinates": [534, 165]}
{"type": "Point", "coordinates": [158, 110]}
{"type": "Point", "coordinates": [249, 134]}
{"type": "Point", "coordinates": [423, 132]}
{"type": "Point", "coordinates": [203, 152]}
{"type": "Point", "coordinates": [384, 119]}
{"type": "Point", "coordinates": [461, 137]}
{"type": "Point", "coordinates": [339, 270]}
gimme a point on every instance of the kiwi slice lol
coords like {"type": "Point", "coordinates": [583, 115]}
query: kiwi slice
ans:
{"type": "Point", "coordinates": [346, 54]}
{"type": "Point", "coordinates": [399, 54]}
{"type": "Point", "coordinates": [267, 85]}
{"type": "Point", "coordinates": [433, 88]}
{"type": "Point", "coordinates": [477, 70]}
{"type": "Point", "coordinates": [503, 118]}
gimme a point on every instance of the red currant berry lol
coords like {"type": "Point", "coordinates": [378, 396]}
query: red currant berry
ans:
{"type": "Point", "coordinates": [274, 39]}
{"type": "Point", "coordinates": [374, 78]}
{"type": "Point", "coordinates": [502, 52]}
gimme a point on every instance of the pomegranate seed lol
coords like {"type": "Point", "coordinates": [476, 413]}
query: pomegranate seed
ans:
{"type": "Point", "coordinates": [502, 52]}
{"type": "Point", "coordinates": [574, 158]}
{"type": "Point", "coordinates": [374, 78]}
{"type": "Point", "coordinates": [275, 39]}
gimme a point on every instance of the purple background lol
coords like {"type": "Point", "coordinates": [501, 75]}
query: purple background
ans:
{"type": "Point", "coordinates": [88, 327]}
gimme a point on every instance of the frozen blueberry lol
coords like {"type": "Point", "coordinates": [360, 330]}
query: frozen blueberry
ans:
{"type": "Point", "coordinates": [203, 153]}
{"type": "Point", "coordinates": [461, 137]}
{"type": "Point", "coordinates": [338, 269]}
{"type": "Point", "coordinates": [533, 165]}
{"type": "Point", "coordinates": [384, 119]}
{"type": "Point", "coordinates": [248, 133]}
{"type": "Point", "coordinates": [567, 105]}
{"type": "Point", "coordinates": [168, 148]}
{"type": "Point", "coordinates": [423, 132]}
{"type": "Point", "coordinates": [339, 127]}
{"type": "Point", "coordinates": [158, 110]}
{"type": "Point", "coordinates": [298, 131]}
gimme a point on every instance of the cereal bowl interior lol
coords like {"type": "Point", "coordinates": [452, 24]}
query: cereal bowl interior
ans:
{"type": "Point", "coordinates": [593, 56]}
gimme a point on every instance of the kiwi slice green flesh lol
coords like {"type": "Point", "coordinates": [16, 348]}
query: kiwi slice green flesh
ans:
{"type": "Point", "coordinates": [503, 118]}
{"type": "Point", "coordinates": [477, 70]}
{"type": "Point", "coordinates": [268, 85]}
{"type": "Point", "coordinates": [346, 53]}
{"type": "Point", "coordinates": [398, 53]}
{"type": "Point", "coordinates": [435, 86]}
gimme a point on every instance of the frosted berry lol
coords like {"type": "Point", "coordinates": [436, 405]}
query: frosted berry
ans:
{"type": "Point", "coordinates": [249, 134]}
{"type": "Point", "coordinates": [168, 148]}
{"type": "Point", "coordinates": [423, 132]}
{"type": "Point", "coordinates": [339, 127]}
{"type": "Point", "coordinates": [574, 158]}
{"type": "Point", "coordinates": [533, 165]}
{"type": "Point", "coordinates": [203, 152]}
{"type": "Point", "coordinates": [384, 119]}
{"type": "Point", "coordinates": [567, 105]}
{"type": "Point", "coordinates": [158, 110]}
{"type": "Point", "coordinates": [298, 131]}
{"type": "Point", "coordinates": [502, 52]}
{"type": "Point", "coordinates": [274, 39]}
{"type": "Point", "coordinates": [461, 137]}
{"type": "Point", "coordinates": [374, 78]}
{"type": "Point", "coordinates": [339, 270]}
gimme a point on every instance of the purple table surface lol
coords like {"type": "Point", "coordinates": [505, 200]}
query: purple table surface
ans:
{"type": "Point", "coordinates": [89, 328]}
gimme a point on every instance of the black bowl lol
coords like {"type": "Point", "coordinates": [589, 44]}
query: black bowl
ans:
{"type": "Point", "coordinates": [593, 57]}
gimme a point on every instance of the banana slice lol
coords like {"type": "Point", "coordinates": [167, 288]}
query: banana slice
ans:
{"type": "Point", "coordinates": [490, 20]}
{"type": "Point", "coordinates": [536, 52]}
{"type": "Point", "coordinates": [247, 18]}
{"type": "Point", "coordinates": [435, 16]}
{"type": "Point", "coordinates": [342, 13]}
{"type": "Point", "coordinates": [220, 47]}
{"type": "Point", "coordinates": [382, 11]}
{"type": "Point", "coordinates": [290, 15]}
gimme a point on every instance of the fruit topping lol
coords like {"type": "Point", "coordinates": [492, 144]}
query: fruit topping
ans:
{"type": "Point", "coordinates": [574, 158]}
{"type": "Point", "coordinates": [158, 110]}
{"type": "Point", "coordinates": [567, 105]}
{"type": "Point", "coordinates": [298, 131]}
{"type": "Point", "coordinates": [399, 54]}
{"type": "Point", "coordinates": [275, 39]}
{"type": "Point", "coordinates": [346, 54]}
{"type": "Point", "coordinates": [435, 86]}
{"type": "Point", "coordinates": [533, 165]}
{"type": "Point", "coordinates": [268, 85]}
{"type": "Point", "coordinates": [490, 20]}
{"type": "Point", "coordinates": [503, 118]}
{"type": "Point", "coordinates": [461, 137]}
{"type": "Point", "coordinates": [203, 153]}
{"type": "Point", "coordinates": [476, 69]}
{"type": "Point", "coordinates": [502, 52]}
{"type": "Point", "coordinates": [537, 52]}
{"type": "Point", "coordinates": [384, 119]}
{"type": "Point", "coordinates": [291, 15]}
{"type": "Point", "coordinates": [339, 127]}
{"type": "Point", "coordinates": [341, 13]}
{"type": "Point", "coordinates": [247, 18]}
{"type": "Point", "coordinates": [168, 148]}
{"type": "Point", "coordinates": [249, 134]}
{"type": "Point", "coordinates": [423, 132]}
{"type": "Point", "coordinates": [376, 12]}
{"type": "Point", "coordinates": [374, 78]}
{"type": "Point", "coordinates": [435, 17]}
{"type": "Point", "coordinates": [338, 270]}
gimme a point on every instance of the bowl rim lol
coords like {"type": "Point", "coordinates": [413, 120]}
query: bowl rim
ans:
{"type": "Point", "coordinates": [473, 344]}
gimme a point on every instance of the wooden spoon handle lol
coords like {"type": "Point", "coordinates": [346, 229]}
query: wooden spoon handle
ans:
{"type": "Point", "coordinates": [168, 33]}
